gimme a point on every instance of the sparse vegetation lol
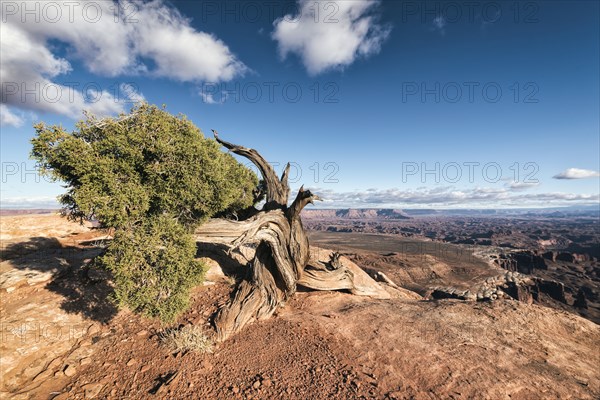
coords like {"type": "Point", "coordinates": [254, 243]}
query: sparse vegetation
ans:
{"type": "Point", "coordinates": [187, 338]}
{"type": "Point", "coordinates": [230, 280]}
{"type": "Point", "coordinates": [153, 178]}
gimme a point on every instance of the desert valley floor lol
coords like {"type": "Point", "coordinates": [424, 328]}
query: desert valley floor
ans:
{"type": "Point", "coordinates": [468, 307]}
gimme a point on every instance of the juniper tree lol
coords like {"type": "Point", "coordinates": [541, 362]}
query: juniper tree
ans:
{"type": "Point", "coordinates": [153, 178]}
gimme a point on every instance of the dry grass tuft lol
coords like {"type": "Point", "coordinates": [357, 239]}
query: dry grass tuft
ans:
{"type": "Point", "coordinates": [189, 338]}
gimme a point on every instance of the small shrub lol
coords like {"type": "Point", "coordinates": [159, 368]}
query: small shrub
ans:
{"type": "Point", "coordinates": [154, 268]}
{"type": "Point", "coordinates": [188, 338]}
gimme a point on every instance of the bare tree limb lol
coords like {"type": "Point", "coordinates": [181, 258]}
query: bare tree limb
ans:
{"type": "Point", "coordinates": [277, 190]}
{"type": "Point", "coordinates": [282, 258]}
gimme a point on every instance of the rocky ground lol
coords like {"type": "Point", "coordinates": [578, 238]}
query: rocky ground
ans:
{"type": "Point", "coordinates": [62, 339]}
{"type": "Point", "coordinates": [553, 246]}
{"type": "Point", "coordinates": [575, 234]}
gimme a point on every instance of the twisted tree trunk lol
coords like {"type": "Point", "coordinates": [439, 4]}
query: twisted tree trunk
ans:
{"type": "Point", "coordinates": [282, 259]}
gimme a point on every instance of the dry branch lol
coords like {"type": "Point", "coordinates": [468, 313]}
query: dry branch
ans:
{"type": "Point", "coordinates": [282, 258]}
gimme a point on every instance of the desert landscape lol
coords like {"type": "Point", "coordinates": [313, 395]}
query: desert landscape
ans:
{"type": "Point", "coordinates": [561, 248]}
{"type": "Point", "coordinates": [420, 336]}
{"type": "Point", "coordinates": [299, 200]}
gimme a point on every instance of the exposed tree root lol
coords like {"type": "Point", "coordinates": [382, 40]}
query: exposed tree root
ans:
{"type": "Point", "coordinates": [282, 259]}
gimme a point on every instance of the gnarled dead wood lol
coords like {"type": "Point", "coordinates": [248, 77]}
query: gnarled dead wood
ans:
{"type": "Point", "coordinates": [277, 189]}
{"type": "Point", "coordinates": [282, 258]}
{"type": "Point", "coordinates": [331, 276]}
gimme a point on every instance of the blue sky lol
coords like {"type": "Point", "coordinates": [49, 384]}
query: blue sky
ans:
{"type": "Point", "coordinates": [376, 104]}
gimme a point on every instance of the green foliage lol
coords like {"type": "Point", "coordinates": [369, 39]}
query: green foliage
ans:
{"type": "Point", "coordinates": [153, 177]}
{"type": "Point", "coordinates": [124, 170]}
{"type": "Point", "coordinates": [154, 267]}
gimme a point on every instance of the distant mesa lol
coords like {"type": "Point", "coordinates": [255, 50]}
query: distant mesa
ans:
{"type": "Point", "coordinates": [408, 213]}
{"type": "Point", "coordinates": [16, 211]}
{"type": "Point", "coordinates": [356, 213]}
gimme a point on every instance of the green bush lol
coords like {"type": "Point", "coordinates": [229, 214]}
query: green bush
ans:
{"type": "Point", "coordinates": [154, 267]}
{"type": "Point", "coordinates": [123, 170]}
{"type": "Point", "coordinates": [152, 177]}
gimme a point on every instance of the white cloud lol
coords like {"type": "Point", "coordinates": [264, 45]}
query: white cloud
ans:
{"type": "Point", "coordinates": [143, 38]}
{"type": "Point", "coordinates": [449, 196]}
{"type": "Point", "coordinates": [330, 34]}
{"type": "Point", "coordinates": [7, 118]}
{"type": "Point", "coordinates": [178, 50]}
{"type": "Point", "coordinates": [20, 203]}
{"type": "Point", "coordinates": [522, 185]}
{"type": "Point", "coordinates": [131, 92]}
{"type": "Point", "coordinates": [209, 98]}
{"type": "Point", "coordinates": [577, 173]}
{"type": "Point", "coordinates": [439, 24]}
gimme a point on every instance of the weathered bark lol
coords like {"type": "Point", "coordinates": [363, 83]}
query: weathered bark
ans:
{"type": "Point", "coordinates": [282, 259]}
{"type": "Point", "coordinates": [277, 189]}
{"type": "Point", "coordinates": [331, 276]}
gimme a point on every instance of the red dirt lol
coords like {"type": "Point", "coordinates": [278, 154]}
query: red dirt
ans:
{"type": "Point", "coordinates": [288, 359]}
{"type": "Point", "coordinates": [320, 346]}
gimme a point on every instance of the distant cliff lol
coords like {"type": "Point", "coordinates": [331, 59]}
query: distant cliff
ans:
{"type": "Point", "coordinates": [355, 213]}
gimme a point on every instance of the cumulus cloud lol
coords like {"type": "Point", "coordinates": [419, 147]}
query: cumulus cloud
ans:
{"type": "Point", "coordinates": [8, 118]}
{"type": "Point", "coordinates": [330, 34]}
{"type": "Point", "coordinates": [577, 173]}
{"type": "Point", "coordinates": [449, 196]}
{"type": "Point", "coordinates": [136, 37]}
{"type": "Point", "coordinates": [131, 92]}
